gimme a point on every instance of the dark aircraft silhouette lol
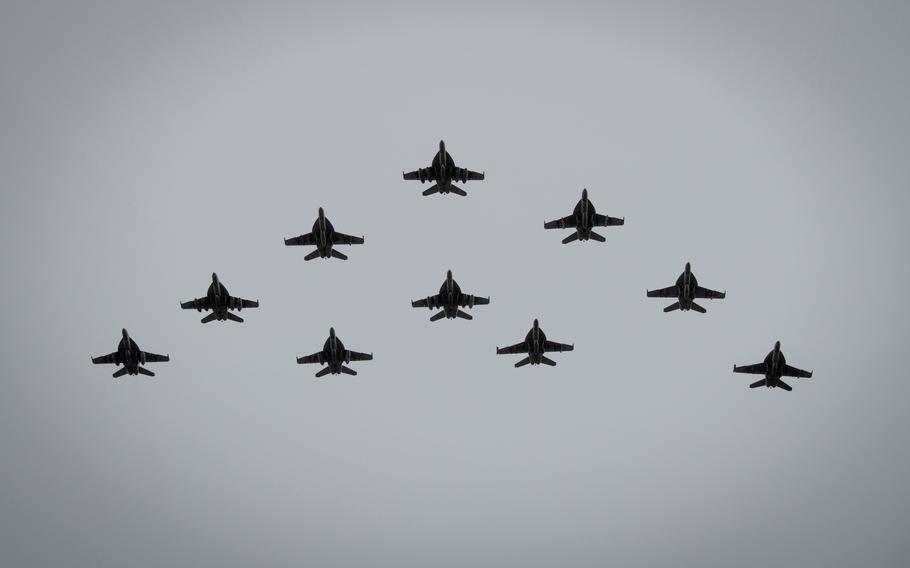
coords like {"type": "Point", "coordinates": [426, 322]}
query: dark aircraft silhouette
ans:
{"type": "Point", "coordinates": [450, 298]}
{"type": "Point", "coordinates": [535, 345]}
{"type": "Point", "coordinates": [335, 356]}
{"type": "Point", "coordinates": [583, 220]}
{"type": "Point", "coordinates": [773, 368]}
{"type": "Point", "coordinates": [443, 171]}
{"type": "Point", "coordinates": [686, 291]}
{"type": "Point", "coordinates": [220, 302]}
{"type": "Point", "coordinates": [131, 357]}
{"type": "Point", "coordinates": [323, 237]}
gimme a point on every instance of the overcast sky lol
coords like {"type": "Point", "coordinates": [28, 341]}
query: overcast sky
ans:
{"type": "Point", "coordinates": [144, 146]}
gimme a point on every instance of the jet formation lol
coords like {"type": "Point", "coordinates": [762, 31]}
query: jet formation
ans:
{"type": "Point", "coordinates": [443, 171]}
{"type": "Point", "coordinates": [535, 345]}
{"type": "Point", "coordinates": [686, 290]}
{"type": "Point", "coordinates": [773, 368]}
{"type": "Point", "coordinates": [131, 357]}
{"type": "Point", "coordinates": [220, 302]}
{"type": "Point", "coordinates": [324, 237]}
{"type": "Point", "coordinates": [450, 298]}
{"type": "Point", "coordinates": [335, 356]}
{"type": "Point", "coordinates": [583, 219]}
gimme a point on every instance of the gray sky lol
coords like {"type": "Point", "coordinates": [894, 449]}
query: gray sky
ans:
{"type": "Point", "coordinates": [145, 146]}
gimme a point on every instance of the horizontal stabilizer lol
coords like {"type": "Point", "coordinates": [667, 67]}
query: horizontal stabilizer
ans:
{"type": "Point", "coordinates": [570, 238]}
{"type": "Point", "coordinates": [458, 191]}
{"type": "Point", "coordinates": [209, 318]}
{"type": "Point", "coordinates": [761, 383]}
{"type": "Point", "coordinates": [120, 372]}
{"type": "Point", "coordinates": [348, 370]}
{"type": "Point", "coordinates": [144, 371]}
{"type": "Point", "coordinates": [784, 385]}
{"type": "Point", "coordinates": [597, 237]}
{"type": "Point", "coordinates": [547, 361]}
{"type": "Point", "coordinates": [464, 315]}
{"type": "Point", "coordinates": [698, 308]}
{"type": "Point", "coordinates": [438, 316]}
{"type": "Point", "coordinates": [234, 317]}
{"type": "Point", "coordinates": [431, 190]}
{"type": "Point", "coordinates": [671, 307]}
{"type": "Point", "coordinates": [339, 255]}
{"type": "Point", "coordinates": [312, 255]}
{"type": "Point", "coordinates": [324, 372]}
{"type": "Point", "coordinates": [523, 362]}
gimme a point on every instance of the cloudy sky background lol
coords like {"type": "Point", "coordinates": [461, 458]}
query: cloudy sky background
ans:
{"type": "Point", "coordinates": [144, 146]}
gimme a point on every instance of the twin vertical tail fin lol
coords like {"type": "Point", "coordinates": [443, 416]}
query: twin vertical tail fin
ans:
{"type": "Point", "coordinates": [671, 307]}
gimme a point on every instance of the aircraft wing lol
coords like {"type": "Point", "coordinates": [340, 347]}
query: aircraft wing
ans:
{"type": "Point", "coordinates": [517, 348]}
{"type": "Point", "coordinates": [342, 239]}
{"type": "Point", "coordinates": [197, 304]}
{"type": "Point", "coordinates": [429, 174]}
{"type": "Point", "coordinates": [756, 369]}
{"type": "Point", "coordinates": [465, 174]}
{"type": "Point", "coordinates": [668, 292]}
{"type": "Point", "coordinates": [356, 356]}
{"type": "Point", "coordinates": [564, 223]}
{"type": "Point", "coordinates": [431, 302]}
{"type": "Point", "coordinates": [155, 358]}
{"type": "Point", "coordinates": [550, 346]}
{"type": "Point", "coordinates": [794, 372]}
{"type": "Point", "coordinates": [238, 303]}
{"type": "Point", "coordinates": [467, 300]}
{"type": "Point", "coordinates": [302, 240]}
{"type": "Point", "coordinates": [607, 221]}
{"type": "Point", "coordinates": [112, 359]}
{"type": "Point", "coordinates": [709, 294]}
{"type": "Point", "coordinates": [309, 359]}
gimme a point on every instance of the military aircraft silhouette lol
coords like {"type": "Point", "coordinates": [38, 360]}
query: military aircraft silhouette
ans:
{"type": "Point", "coordinates": [220, 302]}
{"type": "Point", "coordinates": [324, 237]}
{"type": "Point", "coordinates": [535, 345]}
{"type": "Point", "coordinates": [450, 298]}
{"type": "Point", "coordinates": [686, 290]}
{"type": "Point", "coordinates": [583, 219]}
{"type": "Point", "coordinates": [335, 356]}
{"type": "Point", "coordinates": [773, 368]}
{"type": "Point", "coordinates": [131, 357]}
{"type": "Point", "coordinates": [443, 171]}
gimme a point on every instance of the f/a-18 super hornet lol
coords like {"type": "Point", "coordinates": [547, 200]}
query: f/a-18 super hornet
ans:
{"type": "Point", "coordinates": [443, 171]}
{"type": "Point", "coordinates": [535, 345]}
{"type": "Point", "coordinates": [324, 237]}
{"type": "Point", "coordinates": [686, 290]}
{"type": "Point", "coordinates": [773, 368]}
{"type": "Point", "coordinates": [131, 357]}
{"type": "Point", "coordinates": [450, 298]}
{"type": "Point", "coordinates": [220, 302]}
{"type": "Point", "coordinates": [335, 356]}
{"type": "Point", "coordinates": [583, 220]}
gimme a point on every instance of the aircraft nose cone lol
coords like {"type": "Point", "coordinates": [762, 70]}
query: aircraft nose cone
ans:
{"type": "Point", "coordinates": [125, 333]}
{"type": "Point", "coordinates": [584, 193]}
{"type": "Point", "coordinates": [321, 212]}
{"type": "Point", "coordinates": [332, 331]}
{"type": "Point", "coordinates": [777, 345]}
{"type": "Point", "coordinates": [688, 267]}
{"type": "Point", "coordinates": [448, 274]}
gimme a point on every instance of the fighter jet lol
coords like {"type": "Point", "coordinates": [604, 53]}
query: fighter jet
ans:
{"type": "Point", "coordinates": [450, 298]}
{"type": "Point", "coordinates": [773, 368]}
{"type": "Point", "coordinates": [131, 357]}
{"type": "Point", "coordinates": [334, 355]}
{"type": "Point", "coordinates": [324, 237]}
{"type": "Point", "coordinates": [220, 302]}
{"type": "Point", "coordinates": [583, 220]}
{"type": "Point", "coordinates": [443, 171]}
{"type": "Point", "coordinates": [535, 345]}
{"type": "Point", "coordinates": [686, 291]}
